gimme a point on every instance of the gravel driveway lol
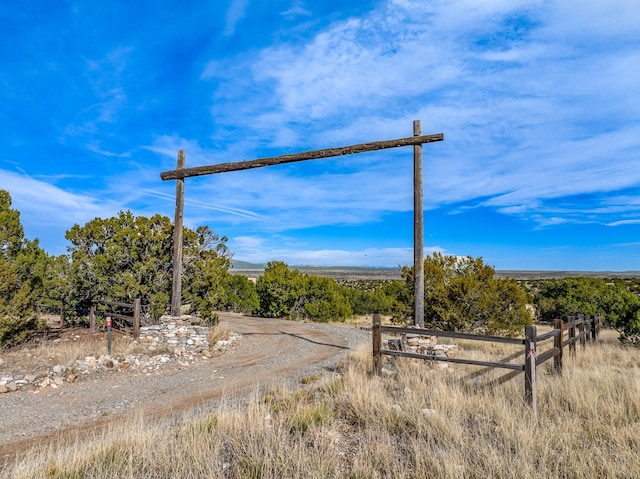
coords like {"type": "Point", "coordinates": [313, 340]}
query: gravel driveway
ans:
{"type": "Point", "coordinates": [270, 351]}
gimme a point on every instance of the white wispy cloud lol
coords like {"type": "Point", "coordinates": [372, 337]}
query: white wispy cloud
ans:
{"type": "Point", "coordinates": [508, 82]}
{"type": "Point", "coordinates": [539, 102]}
{"type": "Point", "coordinates": [47, 211]}
{"type": "Point", "coordinates": [516, 96]}
{"type": "Point", "coordinates": [297, 9]}
{"type": "Point", "coordinates": [624, 222]}
{"type": "Point", "coordinates": [235, 12]}
{"type": "Point", "coordinates": [261, 250]}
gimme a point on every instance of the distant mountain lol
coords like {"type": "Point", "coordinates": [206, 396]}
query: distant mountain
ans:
{"type": "Point", "coordinates": [253, 270]}
{"type": "Point", "coordinates": [515, 274]}
{"type": "Point", "coordinates": [369, 272]}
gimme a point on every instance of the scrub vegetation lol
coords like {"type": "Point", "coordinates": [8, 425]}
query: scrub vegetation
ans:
{"type": "Point", "coordinates": [416, 421]}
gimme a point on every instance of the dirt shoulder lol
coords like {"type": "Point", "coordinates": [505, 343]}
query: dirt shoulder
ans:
{"type": "Point", "coordinates": [270, 351]}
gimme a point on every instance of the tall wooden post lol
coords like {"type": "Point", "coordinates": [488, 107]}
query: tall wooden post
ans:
{"type": "Point", "coordinates": [176, 290]}
{"type": "Point", "coordinates": [572, 334]}
{"type": "Point", "coordinates": [92, 318]}
{"type": "Point", "coordinates": [377, 345]}
{"type": "Point", "coordinates": [136, 319]}
{"type": "Point", "coordinates": [558, 341]}
{"type": "Point", "coordinates": [530, 334]}
{"type": "Point", "coordinates": [594, 327]}
{"type": "Point", "coordinates": [418, 233]}
{"type": "Point", "coordinates": [581, 331]}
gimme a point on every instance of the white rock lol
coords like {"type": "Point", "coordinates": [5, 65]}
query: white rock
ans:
{"type": "Point", "coordinates": [91, 362]}
{"type": "Point", "coordinates": [82, 365]}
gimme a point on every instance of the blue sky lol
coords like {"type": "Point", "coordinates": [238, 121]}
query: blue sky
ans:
{"type": "Point", "coordinates": [539, 102]}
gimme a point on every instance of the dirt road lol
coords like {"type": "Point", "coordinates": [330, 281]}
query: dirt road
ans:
{"type": "Point", "coordinates": [269, 352]}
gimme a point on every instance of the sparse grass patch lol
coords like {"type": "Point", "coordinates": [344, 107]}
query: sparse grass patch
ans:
{"type": "Point", "coordinates": [310, 379]}
{"type": "Point", "coordinates": [43, 355]}
{"type": "Point", "coordinates": [216, 333]}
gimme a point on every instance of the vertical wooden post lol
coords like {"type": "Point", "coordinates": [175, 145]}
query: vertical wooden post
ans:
{"type": "Point", "coordinates": [594, 327]}
{"type": "Point", "coordinates": [92, 318]}
{"type": "Point", "coordinates": [587, 327]}
{"type": "Point", "coordinates": [377, 345]}
{"type": "Point", "coordinates": [418, 232]}
{"type": "Point", "coordinates": [136, 319]}
{"type": "Point", "coordinates": [581, 331]}
{"type": "Point", "coordinates": [530, 369]}
{"type": "Point", "coordinates": [572, 335]}
{"type": "Point", "coordinates": [176, 289]}
{"type": "Point", "coordinates": [557, 343]}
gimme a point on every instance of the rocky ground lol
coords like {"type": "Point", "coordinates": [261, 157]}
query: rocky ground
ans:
{"type": "Point", "coordinates": [21, 378]}
{"type": "Point", "coordinates": [89, 394]}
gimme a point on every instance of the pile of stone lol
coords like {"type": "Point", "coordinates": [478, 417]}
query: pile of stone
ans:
{"type": "Point", "coordinates": [426, 345]}
{"type": "Point", "coordinates": [53, 379]}
{"type": "Point", "coordinates": [175, 334]}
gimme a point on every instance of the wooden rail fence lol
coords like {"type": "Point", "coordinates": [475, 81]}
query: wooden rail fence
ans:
{"type": "Point", "coordinates": [132, 320]}
{"type": "Point", "coordinates": [565, 333]}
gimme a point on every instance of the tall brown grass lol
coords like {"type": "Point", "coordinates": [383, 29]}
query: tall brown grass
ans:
{"type": "Point", "coordinates": [422, 421]}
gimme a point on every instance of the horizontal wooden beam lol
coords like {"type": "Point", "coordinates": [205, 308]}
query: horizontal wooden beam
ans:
{"type": "Point", "coordinates": [551, 334]}
{"type": "Point", "coordinates": [128, 319]}
{"type": "Point", "coordinates": [473, 362]}
{"type": "Point", "coordinates": [294, 157]}
{"type": "Point", "coordinates": [114, 303]}
{"type": "Point", "coordinates": [449, 334]}
{"type": "Point", "coordinates": [544, 357]}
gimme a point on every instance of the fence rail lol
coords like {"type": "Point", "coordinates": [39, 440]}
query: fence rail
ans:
{"type": "Point", "coordinates": [577, 329]}
{"type": "Point", "coordinates": [132, 320]}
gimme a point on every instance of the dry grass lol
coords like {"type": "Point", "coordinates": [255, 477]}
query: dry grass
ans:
{"type": "Point", "coordinates": [78, 344]}
{"type": "Point", "coordinates": [216, 333]}
{"type": "Point", "coordinates": [73, 345]}
{"type": "Point", "coordinates": [416, 423]}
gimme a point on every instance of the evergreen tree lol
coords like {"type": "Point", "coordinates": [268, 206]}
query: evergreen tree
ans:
{"type": "Point", "coordinates": [23, 266]}
{"type": "Point", "coordinates": [463, 294]}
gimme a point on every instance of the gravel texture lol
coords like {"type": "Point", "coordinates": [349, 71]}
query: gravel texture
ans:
{"type": "Point", "coordinates": [270, 351]}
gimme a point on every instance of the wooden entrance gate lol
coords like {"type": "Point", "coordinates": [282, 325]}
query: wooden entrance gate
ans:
{"type": "Point", "coordinates": [417, 140]}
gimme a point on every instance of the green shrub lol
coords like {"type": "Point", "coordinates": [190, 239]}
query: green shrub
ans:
{"type": "Point", "coordinates": [463, 294]}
